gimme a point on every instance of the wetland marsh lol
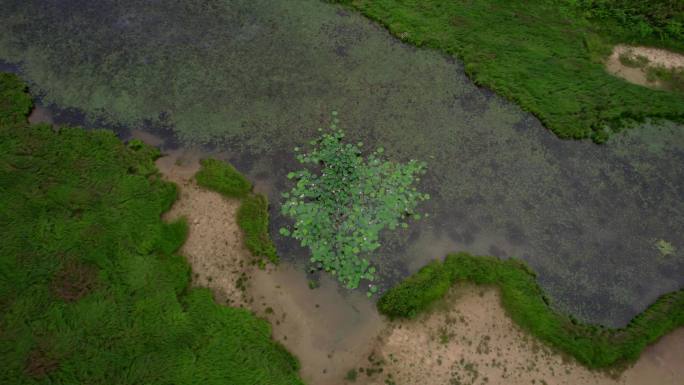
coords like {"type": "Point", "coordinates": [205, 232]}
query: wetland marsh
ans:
{"type": "Point", "coordinates": [602, 226]}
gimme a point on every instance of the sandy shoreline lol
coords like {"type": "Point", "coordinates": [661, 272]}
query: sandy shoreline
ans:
{"type": "Point", "coordinates": [468, 339]}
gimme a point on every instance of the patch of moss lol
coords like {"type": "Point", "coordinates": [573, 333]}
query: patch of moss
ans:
{"type": "Point", "coordinates": [252, 217]}
{"type": "Point", "coordinates": [526, 303]}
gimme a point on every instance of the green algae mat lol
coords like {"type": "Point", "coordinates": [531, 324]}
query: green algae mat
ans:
{"type": "Point", "coordinates": [92, 291]}
{"type": "Point", "coordinates": [257, 78]}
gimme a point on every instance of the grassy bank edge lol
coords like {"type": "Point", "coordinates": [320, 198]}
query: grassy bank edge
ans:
{"type": "Point", "coordinates": [48, 337]}
{"type": "Point", "coordinates": [252, 216]}
{"type": "Point", "coordinates": [598, 129]}
{"type": "Point", "coordinates": [523, 299]}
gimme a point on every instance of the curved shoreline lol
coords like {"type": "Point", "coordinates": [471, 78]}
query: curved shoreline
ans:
{"type": "Point", "coordinates": [593, 345]}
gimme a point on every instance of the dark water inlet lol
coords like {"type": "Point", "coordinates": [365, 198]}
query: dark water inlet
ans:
{"type": "Point", "coordinates": [256, 78]}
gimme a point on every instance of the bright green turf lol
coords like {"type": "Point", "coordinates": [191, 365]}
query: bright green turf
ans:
{"type": "Point", "coordinates": [91, 290]}
{"type": "Point", "coordinates": [526, 303]}
{"type": "Point", "coordinates": [543, 54]}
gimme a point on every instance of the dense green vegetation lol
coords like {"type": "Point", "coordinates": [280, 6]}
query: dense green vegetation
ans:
{"type": "Point", "coordinates": [662, 21]}
{"type": "Point", "coordinates": [252, 216]}
{"type": "Point", "coordinates": [523, 299]}
{"type": "Point", "coordinates": [92, 291]}
{"type": "Point", "coordinates": [222, 178]}
{"type": "Point", "coordinates": [342, 201]}
{"type": "Point", "coordinates": [15, 103]}
{"type": "Point", "coordinates": [546, 55]}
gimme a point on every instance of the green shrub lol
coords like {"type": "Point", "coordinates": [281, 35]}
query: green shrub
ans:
{"type": "Point", "coordinates": [91, 290]}
{"type": "Point", "coordinates": [526, 303]}
{"type": "Point", "coordinates": [252, 217]}
{"type": "Point", "coordinates": [223, 178]}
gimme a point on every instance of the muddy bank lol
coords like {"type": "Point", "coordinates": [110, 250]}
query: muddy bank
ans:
{"type": "Point", "coordinates": [470, 340]}
{"type": "Point", "coordinates": [336, 334]}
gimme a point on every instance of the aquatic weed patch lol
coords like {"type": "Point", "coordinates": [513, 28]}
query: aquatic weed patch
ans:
{"type": "Point", "coordinates": [93, 290]}
{"type": "Point", "coordinates": [343, 199]}
{"type": "Point", "coordinates": [527, 304]}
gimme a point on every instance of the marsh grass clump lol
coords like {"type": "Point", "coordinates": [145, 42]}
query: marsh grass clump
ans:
{"type": "Point", "coordinates": [633, 61]}
{"type": "Point", "coordinates": [93, 290]}
{"type": "Point", "coordinates": [252, 215]}
{"type": "Point", "coordinates": [593, 345]}
{"type": "Point", "coordinates": [222, 178]}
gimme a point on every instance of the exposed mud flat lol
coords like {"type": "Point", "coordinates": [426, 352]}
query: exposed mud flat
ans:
{"type": "Point", "coordinates": [327, 328]}
{"type": "Point", "coordinates": [467, 339]}
{"type": "Point", "coordinates": [470, 340]}
{"type": "Point", "coordinates": [653, 57]}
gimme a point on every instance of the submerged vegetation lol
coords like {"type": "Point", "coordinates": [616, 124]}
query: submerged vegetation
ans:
{"type": "Point", "coordinates": [92, 290]}
{"type": "Point", "coordinates": [252, 215]}
{"type": "Point", "coordinates": [547, 55]}
{"type": "Point", "coordinates": [526, 303]}
{"type": "Point", "coordinates": [343, 200]}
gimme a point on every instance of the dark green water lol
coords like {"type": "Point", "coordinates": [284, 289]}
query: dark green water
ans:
{"type": "Point", "coordinates": [259, 77]}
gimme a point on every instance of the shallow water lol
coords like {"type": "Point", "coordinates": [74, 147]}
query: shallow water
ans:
{"type": "Point", "coordinates": [255, 78]}
{"type": "Point", "coordinates": [329, 329]}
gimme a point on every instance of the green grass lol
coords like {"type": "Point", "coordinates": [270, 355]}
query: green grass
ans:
{"type": "Point", "coordinates": [526, 303]}
{"type": "Point", "coordinates": [15, 103]}
{"type": "Point", "coordinates": [546, 55]}
{"type": "Point", "coordinates": [223, 178]}
{"type": "Point", "coordinates": [92, 290]}
{"type": "Point", "coordinates": [252, 216]}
